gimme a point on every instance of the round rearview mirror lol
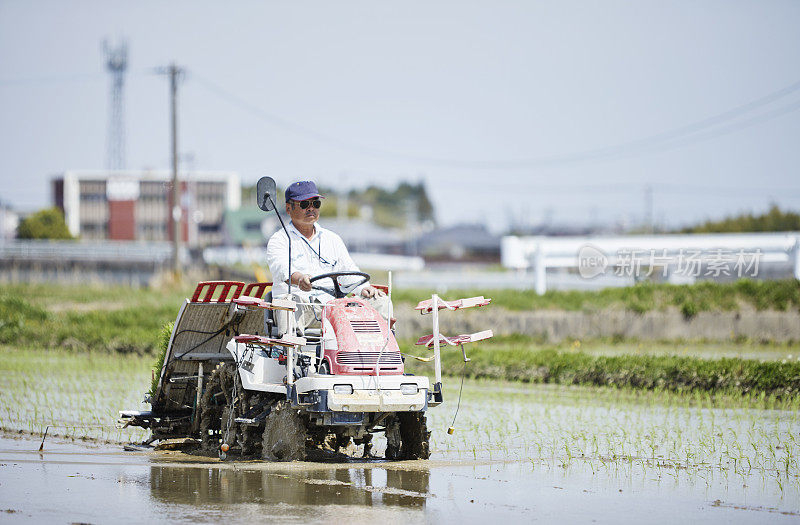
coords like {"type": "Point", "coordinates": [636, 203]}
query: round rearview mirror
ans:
{"type": "Point", "coordinates": [266, 193]}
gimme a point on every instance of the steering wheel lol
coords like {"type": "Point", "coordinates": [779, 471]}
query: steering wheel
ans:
{"type": "Point", "coordinates": [339, 290]}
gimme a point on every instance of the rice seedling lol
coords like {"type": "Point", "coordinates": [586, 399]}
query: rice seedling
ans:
{"type": "Point", "coordinates": [77, 394]}
{"type": "Point", "coordinates": [710, 439]}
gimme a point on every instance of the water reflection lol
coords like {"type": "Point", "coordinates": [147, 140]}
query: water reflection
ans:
{"type": "Point", "coordinates": [410, 482]}
{"type": "Point", "coordinates": [334, 486]}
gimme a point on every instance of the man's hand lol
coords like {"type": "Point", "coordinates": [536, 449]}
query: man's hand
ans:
{"type": "Point", "coordinates": [371, 291]}
{"type": "Point", "coordinates": [302, 280]}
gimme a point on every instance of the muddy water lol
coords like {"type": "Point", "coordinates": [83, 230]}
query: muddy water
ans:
{"type": "Point", "coordinates": [519, 453]}
{"type": "Point", "coordinates": [72, 483]}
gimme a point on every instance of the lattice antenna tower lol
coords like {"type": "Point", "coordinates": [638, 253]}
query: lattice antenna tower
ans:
{"type": "Point", "coordinates": [116, 64]}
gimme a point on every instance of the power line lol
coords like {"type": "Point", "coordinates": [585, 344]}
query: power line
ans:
{"type": "Point", "coordinates": [617, 186]}
{"type": "Point", "coordinates": [51, 79]}
{"type": "Point", "coordinates": [65, 78]}
{"type": "Point", "coordinates": [677, 189]}
{"type": "Point", "coordinates": [665, 140]}
{"type": "Point", "coordinates": [668, 139]}
{"type": "Point", "coordinates": [280, 122]}
{"type": "Point", "coordinates": [733, 127]}
{"type": "Point", "coordinates": [625, 188]}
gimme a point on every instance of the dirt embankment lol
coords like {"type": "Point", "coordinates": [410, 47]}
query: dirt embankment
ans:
{"type": "Point", "coordinates": [557, 325]}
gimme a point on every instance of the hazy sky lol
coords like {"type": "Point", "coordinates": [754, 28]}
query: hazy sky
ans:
{"type": "Point", "coordinates": [525, 108]}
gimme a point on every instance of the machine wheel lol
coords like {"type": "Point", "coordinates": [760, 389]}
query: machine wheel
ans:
{"type": "Point", "coordinates": [415, 435]}
{"type": "Point", "coordinates": [393, 439]}
{"type": "Point", "coordinates": [215, 412]}
{"type": "Point", "coordinates": [285, 434]}
{"type": "Point", "coordinates": [367, 442]}
{"type": "Point", "coordinates": [249, 435]}
{"type": "Point", "coordinates": [337, 442]}
{"type": "Point", "coordinates": [216, 397]}
{"type": "Point", "coordinates": [407, 436]}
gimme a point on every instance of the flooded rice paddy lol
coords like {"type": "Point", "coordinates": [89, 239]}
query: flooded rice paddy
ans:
{"type": "Point", "coordinates": [519, 452]}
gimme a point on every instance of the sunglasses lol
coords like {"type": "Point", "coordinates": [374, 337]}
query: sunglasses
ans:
{"type": "Point", "coordinates": [311, 202]}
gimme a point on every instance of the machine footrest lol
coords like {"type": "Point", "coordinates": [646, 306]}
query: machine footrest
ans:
{"type": "Point", "coordinates": [253, 417]}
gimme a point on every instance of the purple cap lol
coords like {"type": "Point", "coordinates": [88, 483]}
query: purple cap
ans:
{"type": "Point", "coordinates": [302, 191]}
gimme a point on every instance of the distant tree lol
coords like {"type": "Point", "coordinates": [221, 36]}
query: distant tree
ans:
{"type": "Point", "coordinates": [44, 224]}
{"type": "Point", "coordinates": [416, 193]}
{"type": "Point", "coordinates": [391, 208]}
{"type": "Point", "coordinates": [774, 220]}
{"type": "Point", "coordinates": [249, 196]}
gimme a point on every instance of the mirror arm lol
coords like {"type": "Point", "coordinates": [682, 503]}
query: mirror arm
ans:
{"type": "Point", "coordinates": [288, 239]}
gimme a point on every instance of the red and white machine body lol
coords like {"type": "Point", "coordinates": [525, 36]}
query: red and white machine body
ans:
{"type": "Point", "coordinates": [356, 340]}
{"type": "Point", "coordinates": [355, 367]}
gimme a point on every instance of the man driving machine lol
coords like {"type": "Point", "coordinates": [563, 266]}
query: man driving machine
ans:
{"type": "Point", "coordinates": [315, 251]}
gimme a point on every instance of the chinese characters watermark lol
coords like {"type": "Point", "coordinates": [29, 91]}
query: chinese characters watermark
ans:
{"type": "Point", "coordinates": [690, 263]}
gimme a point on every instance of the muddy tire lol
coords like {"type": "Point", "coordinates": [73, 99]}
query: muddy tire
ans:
{"type": "Point", "coordinates": [407, 437]}
{"type": "Point", "coordinates": [367, 442]}
{"type": "Point", "coordinates": [414, 435]}
{"type": "Point", "coordinates": [285, 434]}
{"type": "Point", "coordinates": [338, 442]}
{"type": "Point", "coordinates": [215, 412]}
{"type": "Point", "coordinates": [393, 439]}
{"type": "Point", "coordinates": [216, 397]}
{"type": "Point", "coordinates": [249, 436]}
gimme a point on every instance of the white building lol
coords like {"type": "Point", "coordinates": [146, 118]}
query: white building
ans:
{"type": "Point", "coordinates": [9, 220]}
{"type": "Point", "coordinates": [136, 205]}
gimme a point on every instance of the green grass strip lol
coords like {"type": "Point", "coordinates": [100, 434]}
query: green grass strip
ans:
{"type": "Point", "coordinates": [125, 320]}
{"type": "Point", "coordinates": [672, 373]}
{"type": "Point", "coordinates": [704, 296]}
{"type": "Point", "coordinates": [112, 319]}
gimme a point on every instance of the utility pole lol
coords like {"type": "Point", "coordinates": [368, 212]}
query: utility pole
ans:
{"type": "Point", "coordinates": [175, 73]}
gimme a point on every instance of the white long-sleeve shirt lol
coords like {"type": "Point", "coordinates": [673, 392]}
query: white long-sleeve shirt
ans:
{"type": "Point", "coordinates": [325, 252]}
